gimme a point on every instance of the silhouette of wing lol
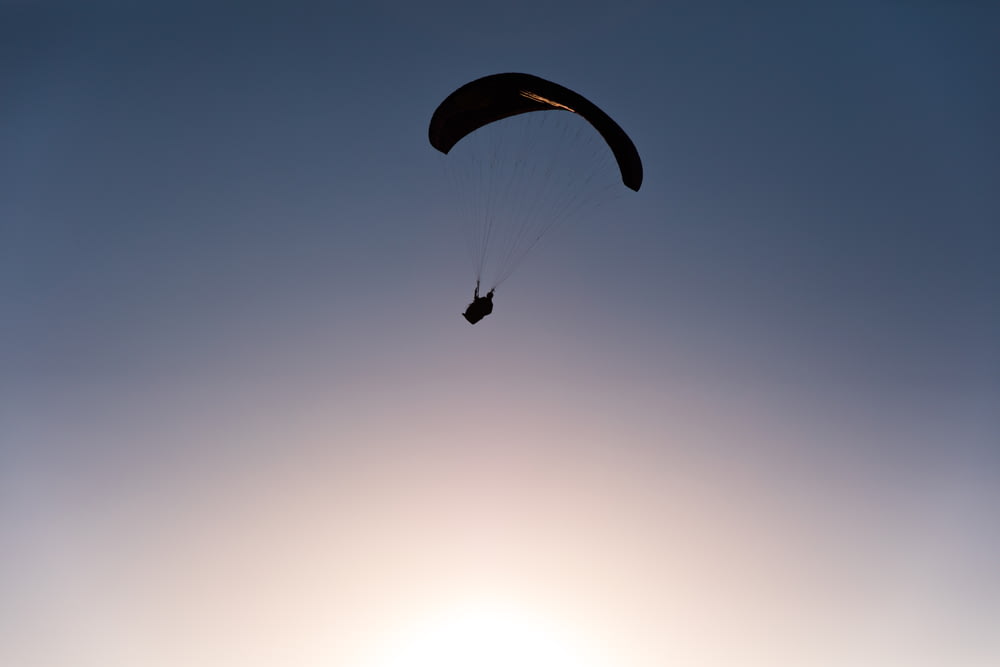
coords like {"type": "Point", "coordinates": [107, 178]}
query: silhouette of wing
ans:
{"type": "Point", "coordinates": [499, 96]}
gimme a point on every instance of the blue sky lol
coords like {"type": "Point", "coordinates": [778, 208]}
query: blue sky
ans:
{"type": "Point", "coordinates": [758, 400]}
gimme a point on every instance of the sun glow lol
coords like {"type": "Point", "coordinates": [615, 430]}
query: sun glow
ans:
{"type": "Point", "coordinates": [484, 636]}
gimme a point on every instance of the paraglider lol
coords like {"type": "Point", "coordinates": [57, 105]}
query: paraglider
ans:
{"type": "Point", "coordinates": [520, 185]}
{"type": "Point", "coordinates": [480, 307]}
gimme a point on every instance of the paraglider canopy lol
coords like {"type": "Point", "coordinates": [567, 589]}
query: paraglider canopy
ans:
{"type": "Point", "coordinates": [519, 175]}
{"type": "Point", "coordinates": [499, 96]}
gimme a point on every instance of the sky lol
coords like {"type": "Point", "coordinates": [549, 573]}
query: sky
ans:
{"type": "Point", "coordinates": [748, 415]}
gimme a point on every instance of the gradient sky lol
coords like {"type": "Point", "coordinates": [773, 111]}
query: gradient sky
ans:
{"type": "Point", "coordinates": [747, 416]}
